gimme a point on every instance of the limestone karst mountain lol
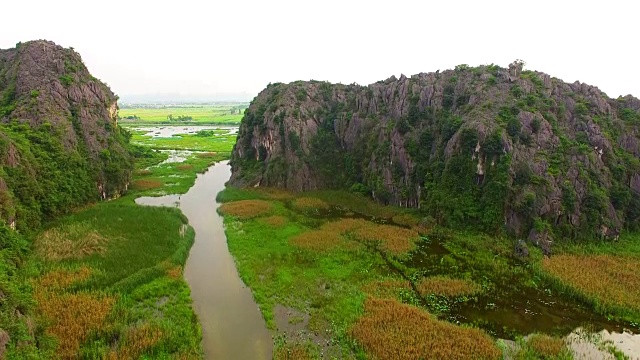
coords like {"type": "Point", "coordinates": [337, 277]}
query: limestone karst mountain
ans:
{"type": "Point", "coordinates": [60, 146]}
{"type": "Point", "coordinates": [506, 150]}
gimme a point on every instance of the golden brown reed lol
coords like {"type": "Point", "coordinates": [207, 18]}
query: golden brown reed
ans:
{"type": "Point", "coordinates": [446, 286]}
{"type": "Point", "coordinates": [246, 209]}
{"type": "Point", "coordinates": [136, 340]}
{"type": "Point", "coordinates": [392, 330]}
{"type": "Point", "coordinates": [184, 167]}
{"type": "Point", "coordinates": [146, 184]}
{"type": "Point", "coordinates": [207, 154]}
{"type": "Point", "coordinates": [292, 352]}
{"type": "Point", "coordinates": [407, 220]}
{"type": "Point", "coordinates": [386, 289]}
{"type": "Point", "coordinates": [546, 346]}
{"type": "Point", "coordinates": [70, 316]}
{"type": "Point", "coordinates": [274, 193]}
{"type": "Point", "coordinates": [71, 241]}
{"type": "Point", "coordinates": [276, 220]}
{"type": "Point", "coordinates": [614, 281]}
{"type": "Point", "coordinates": [345, 226]}
{"type": "Point", "coordinates": [60, 279]}
{"type": "Point", "coordinates": [317, 240]}
{"type": "Point", "coordinates": [392, 239]}
{"type": "Point", "coordinates": [309, 203]}
{"type": "Point", "coordinates": [175, 272]}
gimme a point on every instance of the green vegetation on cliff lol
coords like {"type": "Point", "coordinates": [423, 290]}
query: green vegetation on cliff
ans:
{"type": "Point", "coordinates": [503, 150]}
{"type": "Point", "coordinates": [60, 148]}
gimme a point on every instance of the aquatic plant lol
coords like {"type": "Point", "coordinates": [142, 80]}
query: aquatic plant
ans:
{"type": "Point", "coordinates": [446, 286]}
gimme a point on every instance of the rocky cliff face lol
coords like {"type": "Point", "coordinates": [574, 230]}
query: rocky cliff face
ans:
{"type": "Point", "coordinates": [500, 148]}
{"type": "Point", "coordinates": [60, 145]}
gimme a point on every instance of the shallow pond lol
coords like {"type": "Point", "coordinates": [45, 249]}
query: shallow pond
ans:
{"type": "Point", "coordinates": [232, 325]}
{"type": "Point", "coordinates": [176, 156]}
{"type": "Point", "coordinates": [509, 308]}
{"type": "Point", "coordinates": [169, 131]}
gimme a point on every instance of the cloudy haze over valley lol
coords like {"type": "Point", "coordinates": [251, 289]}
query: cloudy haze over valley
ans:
{"type": "Point", "coordinates": [233, 49]}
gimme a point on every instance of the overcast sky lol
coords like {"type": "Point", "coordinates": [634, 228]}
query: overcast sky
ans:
{"type": "Point", "coordinates": [212, 48]}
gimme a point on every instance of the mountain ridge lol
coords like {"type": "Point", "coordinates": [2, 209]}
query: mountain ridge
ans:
{"type": "Point", "coordinates": [60, 144]}
{"type": "Point", "coordinates": [507, 150]}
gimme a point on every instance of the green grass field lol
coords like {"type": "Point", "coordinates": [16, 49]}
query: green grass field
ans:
{"type": "Point", "coordinates": [196, 114]}
{"type": "Point", "coordinates": [212, 143]}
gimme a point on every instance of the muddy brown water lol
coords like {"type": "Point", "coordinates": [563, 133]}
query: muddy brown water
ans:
{"type": "Point", "coordinates": [232, 325]}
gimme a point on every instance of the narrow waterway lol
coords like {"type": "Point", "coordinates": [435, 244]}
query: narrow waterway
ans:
{"type": "Point", "coordinates": [232, 325]}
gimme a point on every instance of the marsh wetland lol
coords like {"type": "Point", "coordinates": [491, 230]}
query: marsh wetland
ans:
{"type": "Point", "coordinates": [275, 274]}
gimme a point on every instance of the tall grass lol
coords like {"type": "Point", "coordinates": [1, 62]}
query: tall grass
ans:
{"type": "Point", "coordinates": [146, 184]}
{"type": "Point", "coordinates": [392, 239]}
{"type": "Point", "coordinates": [293, 352]}
{"type": "Point", "coordinates": [309, 204]}
{"type": "Point", "coordinates": [70, 241]}
{"type": "Point", "coordinates": [137, 339]}
{"type": "Point", "coordinates": [392, 330]}
{"type": "Point", "coordinates": [317, 240]}
{"type": "Point", "coordinates": [128, 301]}
{"type": "Point", "coordinates": [543, 347]}
{"type": "Point", "coordinates": [389, 288]}
{"type": "Point", "coordinates": [71, 317]}
{"type": "Point", "coordinates": [276, 220]}
{"type": "Point", "coordinates": [611, 283]}
{"type": "Point", "coordinates": [246, 209]}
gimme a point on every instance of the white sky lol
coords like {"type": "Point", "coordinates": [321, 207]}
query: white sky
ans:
{"type": "Point", "coordinates": [209, 48]}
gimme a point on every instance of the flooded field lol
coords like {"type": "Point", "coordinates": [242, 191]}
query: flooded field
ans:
{"type": "Point", "coordinates": [169, 131]}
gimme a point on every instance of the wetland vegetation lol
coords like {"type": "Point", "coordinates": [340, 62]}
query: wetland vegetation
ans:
{"type": "Point", "coordinates": [107, 280]}
{"type": "Point", "coordinates": [353, 278]}
{"type": "Point", "coordinates": [201, 114]}
{"type": "Point", "coordinates": [360, 275]}
{"type": "Point", "coordinates": [332, 274]}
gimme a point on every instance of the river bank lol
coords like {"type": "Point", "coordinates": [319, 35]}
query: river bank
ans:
{"type": "Point", "coordinates": [232, 326]}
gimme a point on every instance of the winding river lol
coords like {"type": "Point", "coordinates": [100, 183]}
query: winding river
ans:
{"type": "Point", "coordinates": [232, 325]}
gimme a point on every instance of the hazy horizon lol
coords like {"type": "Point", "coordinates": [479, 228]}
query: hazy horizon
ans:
{"type": "Point", "coordinates": [232, 50]}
